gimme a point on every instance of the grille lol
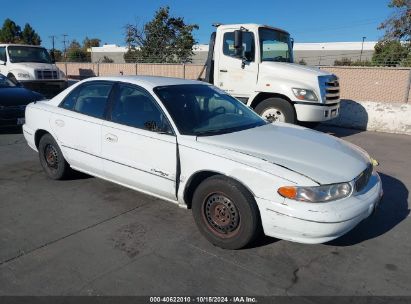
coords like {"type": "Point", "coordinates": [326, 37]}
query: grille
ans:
{"type": "Point", "coordinates": [46, 74]}
{"type": "Point", "coordinates": [330, 88]}
{"type": "Point", "coordinates": [362, 180]}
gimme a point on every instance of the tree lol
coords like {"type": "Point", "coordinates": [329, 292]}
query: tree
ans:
{"type": "Point", "coordinates": [389, 53]}
{"type": "Point", "coordinates": [10, 32]}
{"type": "Point", "coordinates": [29, 36]}
{"type": "Point", "coordinates": [57, 55]}
{"type": "Point", "coordinates": [398, 26]}
{"type": "Point", "coordinates": [75, 53]}
{"type": "Point", "coordinates": [164, 39]}
{"type": "Point", "coordinates": [107, 60]}
{"type": "Point", "coordinates": [89, 43]}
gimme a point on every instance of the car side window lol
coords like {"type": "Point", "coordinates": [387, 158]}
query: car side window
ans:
{"type": "Point", "coordinates": [89, 99]}
{"type": "Point", "coordinates": [135, 107]}
{"type": "Point", "coordinates": [3, 53]}
{"type": "Point", "coordinates": [248, 45]}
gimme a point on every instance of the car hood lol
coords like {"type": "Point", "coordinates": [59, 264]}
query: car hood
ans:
{"type": "Point", "coordinates": [18, 96]}
{"type": "Point", "coordinates": [321, 157]}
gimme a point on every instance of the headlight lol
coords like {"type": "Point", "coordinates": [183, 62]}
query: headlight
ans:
{"type": "Point", "coordinates": [304, 94]}
{"type": "Point", "coordinates": [23, 75]}
{"type": "Point", "coordinates": [316, 194]}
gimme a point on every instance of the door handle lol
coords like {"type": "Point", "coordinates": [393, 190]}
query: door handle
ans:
{"type": "Point", "coordinates": [111, 138]}
{"type": "Point", "coordinates": [223, 71]}
{"type": "Point", "coordinates": [59, 122]}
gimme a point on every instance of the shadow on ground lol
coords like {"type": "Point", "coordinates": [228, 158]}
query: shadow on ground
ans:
{"type": "Point", "coordinates": [392, 210]}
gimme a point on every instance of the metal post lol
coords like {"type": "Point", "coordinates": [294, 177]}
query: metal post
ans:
{"type": "Point", "coordinates": [407, 92]}
{"type": "Point", "coordinates": [184, 71]}
{"type": "Point", "coordinates": [136, 68]}
{"type": "Point", "coordinates": [362, 47]}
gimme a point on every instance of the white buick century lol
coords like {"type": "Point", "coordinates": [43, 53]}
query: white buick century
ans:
{"type": "Point", "coordinates": [190, 143]}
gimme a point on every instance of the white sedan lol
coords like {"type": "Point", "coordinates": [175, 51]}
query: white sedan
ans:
{"type": "Point", "coordinates": [190, 143]}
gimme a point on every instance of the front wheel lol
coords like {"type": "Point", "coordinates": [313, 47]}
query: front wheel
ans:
{"type": "Point", "coordinates": [225, 213]}
{"type": "Point", "coordinates": [276, 109]}
{"type": "Point", "coordinates": [51, 158]}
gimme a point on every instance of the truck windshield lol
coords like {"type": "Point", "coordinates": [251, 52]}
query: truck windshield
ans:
{"type": "Point", "coordinates": [275, 45]}
{"type": "Point", "coordinates": [28, 54]}
{"type": "Point", "coordinates": [203, 110]}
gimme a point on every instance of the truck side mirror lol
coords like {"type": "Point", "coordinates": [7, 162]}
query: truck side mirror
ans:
{"type": "Point", "coordinates": [2, 62]}
{"type": "Point", "coordinates": [292, 43]}
{"type": "Point", "coordinates": [238, 43]}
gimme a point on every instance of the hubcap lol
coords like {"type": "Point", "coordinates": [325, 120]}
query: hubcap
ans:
{"type": "Point", "coordinates": [221, 214]}
{"type": "Point", "coordinates": [273, 115]}
{"type": "Point", "coordinates": [51, 156]}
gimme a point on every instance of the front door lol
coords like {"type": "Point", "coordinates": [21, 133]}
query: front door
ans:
{"type": "Point", "coordinates": [237, 76]}
{"type": "Point", "coordinates": [138, 146]}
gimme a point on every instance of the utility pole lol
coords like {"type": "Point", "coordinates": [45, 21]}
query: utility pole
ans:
{"type": "Point", "coordinates": [52, 37]}
{"type": "Point", "coordinates": [65, 48]}
{"type": "Point", "coordinates": [362, 47]}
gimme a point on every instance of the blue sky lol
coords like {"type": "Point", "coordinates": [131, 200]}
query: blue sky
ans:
{"type": "Point", "coordinates": [306, 20]}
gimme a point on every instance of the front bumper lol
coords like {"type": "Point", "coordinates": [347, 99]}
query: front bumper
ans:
{"type": "Point", "coordinates": [316, 113]}
{"type": "Point", "coordinates": [11, 117]}
{"type": "Point", "coordinates": [314, 223]}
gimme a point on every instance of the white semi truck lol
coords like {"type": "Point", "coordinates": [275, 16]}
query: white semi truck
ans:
{"type": "Point", "coordinates": [254, 63]}
{"type": "Point", "coordinates": [33, 67]}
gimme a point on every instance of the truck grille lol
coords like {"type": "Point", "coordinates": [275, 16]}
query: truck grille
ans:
{"type": "Point", "coordinates": [362, 180]}
{"type": "Point", "coordinates": [46, 74]}
{"type": "Point", "coordinates": [330, 88]}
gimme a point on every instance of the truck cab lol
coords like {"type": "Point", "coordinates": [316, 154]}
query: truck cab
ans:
{"type": "Point", "coordinates": [33, 67]}
{"type": "Point", "coordinates": [254, 63]}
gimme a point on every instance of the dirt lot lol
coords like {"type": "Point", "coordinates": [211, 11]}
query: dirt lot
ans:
{"type": "Point", "coordinates": [86, 236]}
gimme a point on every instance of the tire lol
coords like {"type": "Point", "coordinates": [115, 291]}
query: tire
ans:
{"type": "Point", "coordinates": [51, 158]}
{"type": "Point", "coordinates": [211, 201]}
{"type": "Point", "coordinates": [276, 109]}
{"type": "Point", "coordinates": [12, 78]}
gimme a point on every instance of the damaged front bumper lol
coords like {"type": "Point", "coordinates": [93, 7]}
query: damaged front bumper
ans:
{"type": "Point", "coordinates": [314, 223]}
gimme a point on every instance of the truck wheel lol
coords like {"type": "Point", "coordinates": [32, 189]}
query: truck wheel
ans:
{"type": "Point", "coordinates": [51, 158]}
{"type": "Point", "coordinates": [12, 78]}
{"type": "Point", "coordinates": [225, 212]}
{"type": "Point", "coordinates": [276, 109]}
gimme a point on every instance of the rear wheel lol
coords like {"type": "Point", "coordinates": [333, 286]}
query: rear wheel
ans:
{"type": "Point", "coordinates": [225, 213]}
{"type": "Point", "coordinates": [276, 109]}
{"type": "Point", "coordinates": [51, 158]}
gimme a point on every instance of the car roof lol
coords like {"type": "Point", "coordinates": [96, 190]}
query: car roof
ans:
{"type": "Point", "coordinates": [148, 82]}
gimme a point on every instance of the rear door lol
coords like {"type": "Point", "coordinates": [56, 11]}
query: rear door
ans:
{"type": "Point", "coordinates": [77, 124]}
{"type": "Point", "coordinates": [138, 144]}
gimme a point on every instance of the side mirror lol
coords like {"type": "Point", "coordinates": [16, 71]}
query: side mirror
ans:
{"type": "Point", "coordinates": [2, 62]}
{"type": "Point", "coordinates": [292, 43]}
{"type": "Point", "coordinates": [238, 43]}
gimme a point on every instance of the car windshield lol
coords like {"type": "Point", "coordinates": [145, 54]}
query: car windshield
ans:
{"type": "Point", "coordinates": [203, 110]}
{"type": "Point", "coordinates": [5, 82]}
{"type": "Point", "coordinates": [275, 45]}
{"type": "Point", "coordinates": [28, 54]}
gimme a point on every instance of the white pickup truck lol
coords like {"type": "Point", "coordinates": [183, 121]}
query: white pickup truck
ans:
{"type": "Point", "coordinates": [33, 67]}
{"type": "Point", "coordinates": [254, 63]}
